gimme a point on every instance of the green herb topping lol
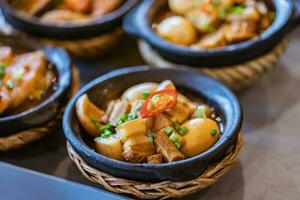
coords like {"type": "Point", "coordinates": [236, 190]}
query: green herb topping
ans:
{"type": "Point", "coordinates": [183, 130]}
{"type": "Point", "coordinates": [237, 9]}
{"type": "Point", "coordinates": [169, 130]}
{"type": "Point", "coordinates": [177, 145]}
{"type": "Point", "coordinates": [145, 95]}
{"type": "Point", "coordinates": [173, 137]}
{"type": "Point", "coordinates": [132, 116]}
{"type": "Point", "coordinates": [213, 132]}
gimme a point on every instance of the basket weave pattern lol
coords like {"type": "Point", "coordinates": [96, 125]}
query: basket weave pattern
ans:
{"type": "Point", "coordinates": [22, 138]}
{"type": "Point", "coordinates": [236, 77]}
{"type": "Point", "coordinates": [90, 47]}
{"type": "Point", "coordinates": [161, 190]}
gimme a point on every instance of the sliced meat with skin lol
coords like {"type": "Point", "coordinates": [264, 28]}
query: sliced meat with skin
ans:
{"type": "Point", "coordinates": [239, 31]}
{"type": "Point", "coordinates": [137, 149]}
{"type": "Point", "coordinates": [108, 111]}
{"type": "Point", "coordinates": [120, 107]}
{"type": "Point", "coordinates": [212, 40]}
{"type": "Point", "coordinates": [181, 111]}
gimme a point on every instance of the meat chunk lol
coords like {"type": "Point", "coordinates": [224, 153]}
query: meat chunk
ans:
{"type": "Point", "coordinates": [137, 149]}
{"type": "Point", "coordinates": [110, 147]}
{"type": "Point", "coordinates": [239, 31]}
{"type": "Point", "coordinates": [120, 107]}
{"type": "Point", "coordinates": [131, 129]}
{"type": "Point", "coordinates": [212, 40]}
{"type": "Point", "coordinates": [204, 21]}
{"type": "Point", "coordinates": [154, 159]}
{"type": "Point", "coordinates": [160, 121]}
{"type": "Point", "coordinates": [181, 111]}
{"type": "Point", "coordinates": [167, 148]}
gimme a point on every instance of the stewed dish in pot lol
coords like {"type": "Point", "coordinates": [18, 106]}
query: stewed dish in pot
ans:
{"type": "Point", "coordinates": [66, 11]}
{"type": "Point", "coordinates": [26, 80]}
{"type": "Point", "coordinates": [204, 24]}
{"type": "Point", "coordinates": [150, 123]}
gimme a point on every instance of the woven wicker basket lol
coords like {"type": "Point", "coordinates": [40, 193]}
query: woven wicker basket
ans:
{"type": "Point", "coordinates": [25, 137]}
{"type": "Point", "coordinates": [87, 48]}
{"type": "Point", "coordinates": [90, 47]}
{"type": "Point", "coordinates": [236, 77]}
{"type": "Point", "coordinates": [160, 190]}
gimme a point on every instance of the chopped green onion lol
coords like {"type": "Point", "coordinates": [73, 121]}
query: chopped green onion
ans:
{"type": "Point", "coordinates": [139, 106]}
{"type": "Point", "coordinates": [153, 136]}
{"type": "Point", "coordinates": [183, 130]}
{"type": "Point", "coordinates": [213, 132]}
{"type": "Point", "coordinates": [10, 85]}
{"type": "Point", "coordinates": [177, 145]}
{"type": "Point", "coordinates": [145, 95]}
{"type": "Point", "coordinates": [106, 134]}
{"type": "Point", "coordinates": [132, 116]}
{"type": "Point", "coordinates": [123, 117]}
{"type": "Point", "coordinates": [201, 111]}
{"type": "Point", "coordinates": [120, 122]}
{"type": "Point", "coordinates": [173, 137]}
{"type": "Point", "coordinates": [237, 10]}
{"type": "Point", "coordinates": [97, 138]}
{"type": "Point", "coordinates": [208, 27]}
{"type": "Point", "coordinates": [105, 127]}
{"type": "Point", "coordinates": [177, 127]}
{"type": "Point", "coordinates": [169, 130]}
{"type": "Point", "coordinates": [222, 13]}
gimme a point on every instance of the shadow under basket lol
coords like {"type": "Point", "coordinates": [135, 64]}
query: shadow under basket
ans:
{"type": "Point", "coordinates": [25, 137]}
{"type": "Point", "coordinates": [236, 77]}
{"type": "Point", "coordinates": [159, 190]}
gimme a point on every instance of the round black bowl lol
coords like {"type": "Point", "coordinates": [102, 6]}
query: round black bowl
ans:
{"type": "Point", "coordinates": [34, 26]}
{"type": "Point", "coordinates": [48, 109]}
{"type": "Point", "coordinates": [139, 23]}
{"type": "Point", "coordinates": [111, 85]}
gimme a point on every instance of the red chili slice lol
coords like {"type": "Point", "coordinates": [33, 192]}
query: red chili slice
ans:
{"type": "Point", "coordinates": [158, 102]}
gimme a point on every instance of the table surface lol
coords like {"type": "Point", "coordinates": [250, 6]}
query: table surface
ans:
{"type": "Point", "coordinates": [269, 162]}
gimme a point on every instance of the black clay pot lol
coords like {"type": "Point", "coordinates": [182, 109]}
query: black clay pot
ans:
{"type": "Point", "coordinates": [138, 23]}
{"type": "Point", "coordinates": [111, 85]}
{"type": "Point", "coordinates": [48, 109]}
{"type": "Point", "coordinates": [34, 26]}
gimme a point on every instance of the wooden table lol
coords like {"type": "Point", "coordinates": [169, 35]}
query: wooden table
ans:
{"type": "Point", "coordinates": [269, 166]}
